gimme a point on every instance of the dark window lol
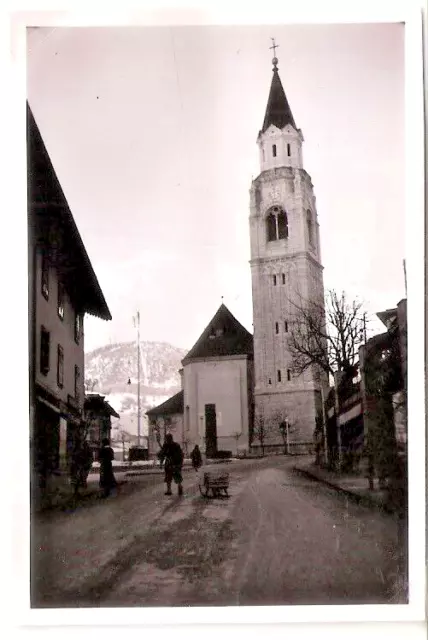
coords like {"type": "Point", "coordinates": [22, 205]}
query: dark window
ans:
{"type": "Point", "coordinates": [277, 225]}
{"type": "Point", "coordinates": [274, 150]}
{"type": "Point", "coordinates": [45, 340]}
{"type": "Point", "coordinates": [310, 227]}
{"type": "Point", "coordinates": [288, 374]}
{"type": "Point", "coordinates": [279, 375]}
{"type": "Point", "coordinates": [270, 381]}
{"type": "Point", "coordinates": [60, 367]}
{"type": "Point", "coordinates": [274, 281]}
{"type": "Point", "coordinates": [45, 276]}
{"type": "Point", "coordinates": [271, 227]}
{"type": "Point", "coordinates": [282, 226]}
{"type": "Point", "coordinates": [77, 327]}
{"type": "Point", "coordinates": [77, 382]}
{"type": "Point", "coordinates": [288, 149]}
{"type": "Point", "coordinates": [61, 300]}
{"type": "Point", "coordinates": [276, 327]}
{"type": "Point", "coordinates": [283, 278]}
{"type": "Point", "coordinates": [286, 326]}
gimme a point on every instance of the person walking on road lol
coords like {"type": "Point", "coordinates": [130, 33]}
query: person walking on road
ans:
{"type": "Point", "coordinates": [196, 458]}
{"type": "Point", "coordinates": [107, 479]}
{"type": "Point", "coordinates": [85, 463]}
{"type": "Point", "coordinates": [172, 455]}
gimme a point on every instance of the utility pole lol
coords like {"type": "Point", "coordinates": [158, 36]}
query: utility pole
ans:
{"type": "Point", "coordinates": [137, 324]}
{"type": "Point", "coordinates": [287, 441]}
{"type": "Point", "coordinates": [405, 276]}
{"type": "Point", "coordinates": [324, 426]}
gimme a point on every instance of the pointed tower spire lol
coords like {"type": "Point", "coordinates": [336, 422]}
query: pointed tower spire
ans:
{"type": "Point", "coordinates": [278, 110]}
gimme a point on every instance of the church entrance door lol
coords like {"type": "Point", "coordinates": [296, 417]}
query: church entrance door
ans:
{"type": "Point", "coordinates": [210, 430]}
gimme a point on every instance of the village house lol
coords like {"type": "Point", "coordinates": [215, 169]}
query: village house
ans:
{"type": "Point", "coordinates": [215, 407]}
{"type": "Point", "coordinates": [62, 288]}
{"type": "Point", "coordinates": [372, 408]}
{"type": "Point", "coordinates": [167, 418]}
{"type": "Point", "coordinates": [97, 416]}
{"type": "Point", "coordinates": [383, 364]}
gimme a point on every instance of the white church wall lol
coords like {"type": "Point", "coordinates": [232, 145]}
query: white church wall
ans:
{"type": "Point", "coordinates": [222, 382]}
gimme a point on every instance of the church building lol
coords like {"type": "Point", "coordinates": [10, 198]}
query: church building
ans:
{"type": "Point", "coordinates": [240, 391]}
{"type": "Point", "coordinates": [286, 273]}
{"type": "Point", "coordinates": [215, 407]}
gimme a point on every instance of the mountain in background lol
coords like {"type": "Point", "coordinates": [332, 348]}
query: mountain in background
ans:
{"type": "Point", "coordinates": [108, 370]}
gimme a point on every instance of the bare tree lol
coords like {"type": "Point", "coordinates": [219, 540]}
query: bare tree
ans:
{"type": "Point", "coordinates": [286, 426]}
{"type": "Point", "coordinates": [326, 336]}
{"type": "Point", "coordinates": [237, 435]}
{"type": "Point", "coordinates": [90, 384]}
{"type": "Point", "coordinates": [259, 431]}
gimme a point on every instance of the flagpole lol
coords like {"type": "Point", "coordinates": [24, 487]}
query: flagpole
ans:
{"type": "Point", "coordinates": [138, 385]}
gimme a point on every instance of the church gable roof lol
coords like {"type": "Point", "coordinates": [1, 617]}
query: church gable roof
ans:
{"type": "Point", "coordinates": [224, 336]}
{"type": "Point", "coordinates": [175, 404]}
{"type": "Point", "coordinates": [278, 111]}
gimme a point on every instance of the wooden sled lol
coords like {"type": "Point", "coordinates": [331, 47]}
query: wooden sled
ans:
{"type": "Point", "coordinates": [214, 482]}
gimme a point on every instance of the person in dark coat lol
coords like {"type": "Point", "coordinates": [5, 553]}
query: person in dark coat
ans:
{"type": "Point", "coordinates": [196, 458]}
{"type": "Point", "coordinates": [85, 463]}
{"type": "Point", "coordinates": [172, 454]}
{"type": "Point", "coordinates": [106, 457]}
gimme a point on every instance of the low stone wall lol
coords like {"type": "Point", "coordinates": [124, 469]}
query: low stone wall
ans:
{"type": "Point", "coordinates": [294, 448]}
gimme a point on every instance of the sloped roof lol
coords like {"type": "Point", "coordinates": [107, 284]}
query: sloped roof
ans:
{"type": "Point", "coordinates": [49, 213]}
{"type": "Point", "coordinates": [175, 404]}
{"type": "Point", "coordinates": [278, 111]}
{"type": "Point", "coordinates": [98, 403]}
{"type": "Point", "coordinates": [387, 316]}
{"type": "Point", "coordinates": [223, 336]}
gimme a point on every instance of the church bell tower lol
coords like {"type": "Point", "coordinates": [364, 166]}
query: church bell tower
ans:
{"type": "Point", "coordinates": [286, 270]}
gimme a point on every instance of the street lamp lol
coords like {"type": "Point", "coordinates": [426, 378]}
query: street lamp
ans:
{"type": "Point", "coordinates": [284, 427]}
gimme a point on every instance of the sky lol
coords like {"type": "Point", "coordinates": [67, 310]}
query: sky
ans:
{"type": "Point", "coordinates": [152, 132]}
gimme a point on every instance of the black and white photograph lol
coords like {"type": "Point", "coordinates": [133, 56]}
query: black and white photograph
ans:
{"type": "Point", "coordinates": [219, 269]}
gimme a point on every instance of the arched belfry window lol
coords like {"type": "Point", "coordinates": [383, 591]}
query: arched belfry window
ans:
{"type": "Point", "coordinates": [310, 227]}
{"type": "Point", "coordinates": [276, 224]}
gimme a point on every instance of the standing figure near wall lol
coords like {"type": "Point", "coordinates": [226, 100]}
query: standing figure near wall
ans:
{"type": "Point", "coordinates": [107, 479]}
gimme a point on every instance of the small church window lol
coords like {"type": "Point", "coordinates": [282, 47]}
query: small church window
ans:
{"type": "Point", "coordinates": [279, 375]}
{"type": "Point", "coordinates": [286, 326]}
{"type": "Point", "coordinates": [274, 281]}
{"type": "Point", "coordinates": [269, 381]}
{"type": "Point", "coordinates": [271, 227]}
{"type": "Point", "coordinates": [276, 225]}
{"type": "Point", "coordinates": [282, 226]}
{"type": "Point", "coordinates": [276, 327]}
{"type": "Point", "coordinates": [283, 278]}
{"type": "Point", "coordinates": [288, 149]}
{"type": "Point", "coordinates": [310, 227]}
{"type": "Point", "coordinates": [274, 150]}
{"type": "Point", "coordinates": [288, 374]}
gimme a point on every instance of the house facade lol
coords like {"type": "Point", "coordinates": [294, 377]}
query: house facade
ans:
{"type": "Point", "coordinates": [97, 417]}
{"type": "Point", "coordinates": [167, 417]}
{"type": "Point", "coordinates": [62, 289]}
{"type": "Point", "coordinates": [383, 363]}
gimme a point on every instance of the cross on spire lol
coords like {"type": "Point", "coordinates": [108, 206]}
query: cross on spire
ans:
{"type": "Point", "coordinates": [274, 46]}
{"type": "Point", "coordinates": [274, 59]}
